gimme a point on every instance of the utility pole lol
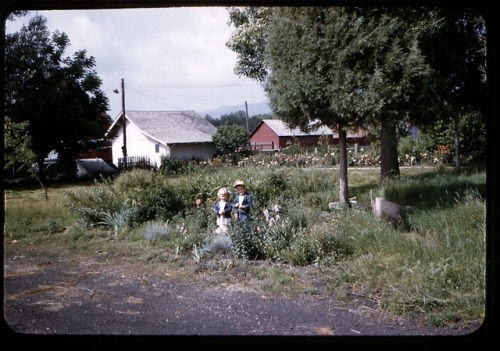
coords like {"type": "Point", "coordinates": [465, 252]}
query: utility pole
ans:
{"type": "Point", "coordinates": [246, 110]}
{"type": "Point", "coordinates": [124, 122]}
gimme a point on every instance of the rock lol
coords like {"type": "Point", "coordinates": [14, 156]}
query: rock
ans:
{"type": "Point", "coordinates": [390, 211]}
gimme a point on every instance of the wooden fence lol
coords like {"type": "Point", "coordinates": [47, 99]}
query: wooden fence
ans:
{"type": "Point", "coordinates": [135, 162]}
{"type": "Point", "coordinates": [256, 147]}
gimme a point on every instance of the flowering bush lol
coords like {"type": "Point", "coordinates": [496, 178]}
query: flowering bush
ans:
{"type": "Point", "coordinates": [310, 157]}
{"type": "Point", "coordinates": [422, 152]}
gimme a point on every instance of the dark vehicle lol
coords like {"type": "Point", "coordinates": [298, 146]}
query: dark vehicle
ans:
{"type": "Point", "coordinates": [54, 167]}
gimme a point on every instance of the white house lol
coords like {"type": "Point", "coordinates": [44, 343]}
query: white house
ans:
{"type": "Point", "coordinates": [152, 135]}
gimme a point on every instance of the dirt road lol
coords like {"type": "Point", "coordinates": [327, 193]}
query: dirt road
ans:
{"type": "Point", "coordinates": [49, 299]}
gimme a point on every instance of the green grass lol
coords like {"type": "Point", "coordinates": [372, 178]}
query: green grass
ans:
{"type": "Point", "coordinates": [436, 266]}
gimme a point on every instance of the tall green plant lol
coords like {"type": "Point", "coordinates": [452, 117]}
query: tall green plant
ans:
{"type": "Point", "coordinates": [90, 203]}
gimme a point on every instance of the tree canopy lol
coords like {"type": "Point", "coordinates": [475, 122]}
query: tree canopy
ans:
{"type": "Point", "coordinates": [229, 138]}
{"type": "Point", "coordinates": [57, 99]}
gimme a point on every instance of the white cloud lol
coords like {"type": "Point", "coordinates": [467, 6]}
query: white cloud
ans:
{"type": "Point", "coordinates": [171, 58]}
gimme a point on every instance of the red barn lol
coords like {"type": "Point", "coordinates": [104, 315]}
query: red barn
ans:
{"type": "Point", "coordinates": [275, 134]}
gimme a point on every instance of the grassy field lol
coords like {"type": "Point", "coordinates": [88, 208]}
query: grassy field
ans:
{"type": "Point", "coordinates": [434, 266]}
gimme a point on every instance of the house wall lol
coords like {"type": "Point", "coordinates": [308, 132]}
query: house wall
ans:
{"type": "Point", "coordinates": [313, 140]}
{"type": "Point", "coordinates": [308, 140]}
{"type": "Point", "coordinates": [264, 135]}
{"type": "Point", "coordinates": [188, 151]}
{"type": "Point", "coordinates": [138, 145]}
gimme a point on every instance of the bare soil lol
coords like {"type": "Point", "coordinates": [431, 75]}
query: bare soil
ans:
{"type": "Point", "coordinates": [98, 297]}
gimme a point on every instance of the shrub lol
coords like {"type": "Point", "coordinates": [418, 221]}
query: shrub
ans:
{"type": "Point", "coordinates": [89, 204]}
{"type": "Point", "coordinates": [301, 251]}
{"type": "Point", "coordinates": [157, 230]}
{"type": "Point", "coordinates": [219, 244]}
{"type": "Point", "coordinates": [115, 220]}
{"type": "Point", "coordinates": [229, 138]}
{"type": "Point", "coordinates": [269, 188]}
{"type": "Point", "coordinates": [248, 242]}
{"type": "Point", "coordinates": [149, 197]}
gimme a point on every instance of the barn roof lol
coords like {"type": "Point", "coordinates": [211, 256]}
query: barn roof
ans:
{"type": "Point", "coordinates": [281, 129]}
{"type": "Point", "coordinates": [172, 127]}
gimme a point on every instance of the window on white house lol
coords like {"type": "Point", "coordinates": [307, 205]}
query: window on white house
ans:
{"type": "Point", "coordinates": [157, 148]}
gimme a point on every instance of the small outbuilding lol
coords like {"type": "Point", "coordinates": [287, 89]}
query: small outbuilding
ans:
{"type": "Point", "coordinates": [153, 135]}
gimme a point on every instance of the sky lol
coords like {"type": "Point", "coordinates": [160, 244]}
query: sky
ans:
{"type": "Point", "coordinates": [169, 58]}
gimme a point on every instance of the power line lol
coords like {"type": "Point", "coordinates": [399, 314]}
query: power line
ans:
{"type": "Point", "coordinates": [157, 95]}
{"type": "Point", "coordinates": [192, 97]}
{"type": "Point", "coordinates": [144, 84]}
{"type": "Point", "coordinates": [156, 100]}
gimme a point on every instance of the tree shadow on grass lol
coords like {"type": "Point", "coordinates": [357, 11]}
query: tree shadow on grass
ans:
{"type": "Point", "coordinates": [435, 189]}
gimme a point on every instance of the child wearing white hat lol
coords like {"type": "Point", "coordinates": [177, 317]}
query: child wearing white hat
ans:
{"type": "Point", "coordinates": [241, 202]}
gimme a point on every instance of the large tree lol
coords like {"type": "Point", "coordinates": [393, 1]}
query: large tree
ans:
{"type": "Point", "coordinates": [58, 98]}
{"type": "Point", "coordinates": [348, 67]}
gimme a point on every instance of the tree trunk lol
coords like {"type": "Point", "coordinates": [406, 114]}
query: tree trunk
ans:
{"type": "Point", "coordinates": [41, 171]}
{"type": "Point", "coordinates": [458, 161]}
{"type": "Point", "coordinates": [41, 175]}
{"type": "Point", "coordinates": [389, 163]}
{"type": "Point", "coordinates": [343, 189]}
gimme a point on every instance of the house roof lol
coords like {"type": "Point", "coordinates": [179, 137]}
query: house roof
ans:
{"type": "Point", "coordinates": [172, 127]}
{"type": "Point", "coordinates": [280, 128]}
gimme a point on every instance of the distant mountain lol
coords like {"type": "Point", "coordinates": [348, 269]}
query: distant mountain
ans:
{"type": "Point", "coordinates": [253, 109]}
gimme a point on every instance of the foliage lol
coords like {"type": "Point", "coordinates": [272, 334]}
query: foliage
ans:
{"type": "Point", "coordinates": [196, 219]}
{"type": "Point", "coordinates": [248, 40]}
{"type": "Point", "coordinates": [229, 138]}
{"type": "Point", "coordinates": [90, 204]}
{"type": "Point", "coordinates": [176, 165]}
{"type": "Point", "coordinates": [247, 241]}
{"type": "Point", "coordinates": [421, 151]}
{"type": "Point", "coordinates": [148, 198]}
{"type": "Point", "coordinates": [59, 98]}
{"type": "Point", "coordinates": [471, 137]}
{"type": "Point", "coordinates": [115, 220]}
{"type": "Point", "coordinates": [17, 143]}
{"type": "Point", "coordinates": [219, 244]}
{"type": "Point", "coordinates": [158, 230]}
